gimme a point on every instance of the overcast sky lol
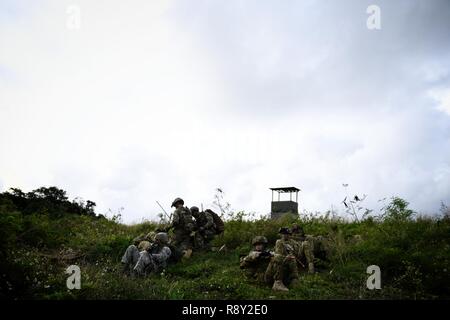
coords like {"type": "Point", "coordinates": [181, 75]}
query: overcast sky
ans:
{"type": "Point", "coordinates": [152, 100]}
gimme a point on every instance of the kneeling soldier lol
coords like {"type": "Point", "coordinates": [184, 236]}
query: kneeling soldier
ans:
{"type": "Point", "coordinates": [257, 261]}
{"type": "Point", "coordinates": [206, 229]}
{"type": "Point", "coordinates": [306, 243]}
{"type": "Point", "coordinates": [183, 228]}
{"type": "Point", "coordinates": [282, 268]}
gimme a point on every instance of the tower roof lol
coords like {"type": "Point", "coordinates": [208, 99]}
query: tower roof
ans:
{"type": "Point", "coordinates": [285, 189]}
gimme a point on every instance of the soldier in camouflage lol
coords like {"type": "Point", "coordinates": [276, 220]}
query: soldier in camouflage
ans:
{"type": "Point", "coordinates": [306, 243]}
{"type": "Point", "coordinates": [205, 228]}
{"type": "Point", "coordinates": [183, 227]}
{"type": "Point", "coordinates": [319, 245]}
{"type": "Point", "coordinates": [322, 247]}
{"type": "Point", "coordinates": [154, 259]}
{"type": "Point", "coordinates": [256, 262]}
{"type": "Point", "coordinates": [282, 269]}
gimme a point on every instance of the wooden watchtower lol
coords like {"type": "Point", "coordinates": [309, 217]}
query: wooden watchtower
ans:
{"type": "Point", "coordinates": [281, 207]}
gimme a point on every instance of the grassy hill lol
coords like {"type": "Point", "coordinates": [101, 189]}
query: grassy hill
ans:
{"type": "Point", "coordinates": [40, 239]}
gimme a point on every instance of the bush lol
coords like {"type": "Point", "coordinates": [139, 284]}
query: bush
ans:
{"type": "Point", "coordinates": [412, 252]}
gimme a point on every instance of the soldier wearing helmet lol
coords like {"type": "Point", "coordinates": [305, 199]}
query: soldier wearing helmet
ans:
{"type": "Point", "coordinates": [205, 227]}
{"type": "Point", "coordinates": [259, 241]}
{"type": "Point", "coordinates": [161, 238]}
{"type": "Point", "coordinates": [153, 259]}
{"type": "Point", "coordinates": [183, 227]}
{"type": "Point", "coordinates": [306, 242]}
{"type": "Point", "coordinates": [256, 262]}
{"type": "Point", "coordinates": [298, 233]}
{"type": "Point", "coordinates": [282, 269]}
{"type": "Point", "coordinates": [177, 202]}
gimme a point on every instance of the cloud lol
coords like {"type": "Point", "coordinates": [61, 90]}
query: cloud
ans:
{"type": "Point", "coordinates": [153, 100]}
{"type": "Point", "coordinates": [442, 97]}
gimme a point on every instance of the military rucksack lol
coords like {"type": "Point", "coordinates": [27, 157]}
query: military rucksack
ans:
{"type": "Point", "coordinates": [220, 226]}
{"type": "Point", "coordinates": [187, 221]}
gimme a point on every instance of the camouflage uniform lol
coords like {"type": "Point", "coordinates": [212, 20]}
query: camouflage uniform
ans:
{"type": "Point", "coordinates": [183, 227]}
{"type": "Point", "coordinates": [205, 226]}
{"type": "Point", "coordinates": [282, 268]}
{"type": "Point", "coordinates": [256, 262]}
{"type": "Point", "coordinates": [144, 262]}
{"type": "Point", "coordinates": [306, 242]}
{"type": "Point", "coordinates": [321, 247]}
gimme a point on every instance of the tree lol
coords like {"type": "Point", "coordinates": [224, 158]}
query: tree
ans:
{"type": "Point", "coordinates": [397, 210]}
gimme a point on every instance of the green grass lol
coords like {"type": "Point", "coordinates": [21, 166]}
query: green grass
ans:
{"type": "Point", "coordinates": [36, 249]}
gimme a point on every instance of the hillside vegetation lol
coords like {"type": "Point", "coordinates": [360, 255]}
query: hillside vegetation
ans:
{"type": "Point", "coordinates": [42, 233]}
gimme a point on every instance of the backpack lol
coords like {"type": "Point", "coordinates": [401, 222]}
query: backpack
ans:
{"type": "Point", "coordinates": [220, 226]}
{"type": "Point", "coordinates": [186, 222]}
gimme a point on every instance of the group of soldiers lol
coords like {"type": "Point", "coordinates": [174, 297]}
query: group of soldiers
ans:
{"type": "Point", "coordinates": [280, 267]}
{"type": "Point", "coordinates": [192, 229]}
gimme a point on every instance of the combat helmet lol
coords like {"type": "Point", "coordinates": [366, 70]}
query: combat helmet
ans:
{"type": "Point", "coordinates": [162, 237]}
{"type": "Point", "coordinates": [259, 240]}
{"type": "Point", "coordinates": [176, 201]}
{"type": "Point", "coordinates": [296, 228]}
{"type": "Point", "coordinates": [284, 230]}
{"type": "Point", "coordinates": [194, 210]}
{"type": "Point", "coordinates": [150, 236]}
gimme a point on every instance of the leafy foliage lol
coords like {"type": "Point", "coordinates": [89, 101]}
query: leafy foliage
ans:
{"type": "Point", "coordinates": [38, 242]}
{"type": "Point", "coordinates": [51, 201]}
